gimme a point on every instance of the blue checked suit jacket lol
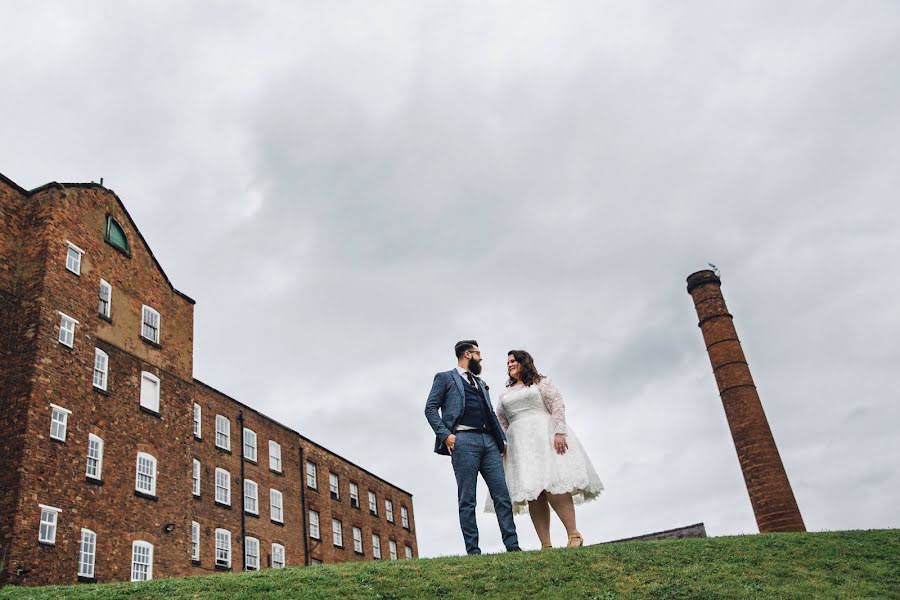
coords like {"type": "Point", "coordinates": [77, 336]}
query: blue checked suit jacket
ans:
{"type": "Point", "coordinates": [449, 397]}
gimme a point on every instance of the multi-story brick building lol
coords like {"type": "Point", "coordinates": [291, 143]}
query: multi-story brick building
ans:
{"type": "Point", "coordinates": [115, 463]}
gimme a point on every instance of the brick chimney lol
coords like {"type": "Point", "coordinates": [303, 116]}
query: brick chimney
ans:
{"type": "Point", "coordinates": [767, 483]}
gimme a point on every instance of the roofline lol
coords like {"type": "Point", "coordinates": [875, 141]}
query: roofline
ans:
{"type": "Point", "coordinates": [301, 436]}
{"type": "Point", "coordinates": [663, 532]}
{"type": "Point", "coordinates": [93, 185]}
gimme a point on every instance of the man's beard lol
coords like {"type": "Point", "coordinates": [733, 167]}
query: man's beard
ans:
{"type": "Point", "coordinates": [475, 366]}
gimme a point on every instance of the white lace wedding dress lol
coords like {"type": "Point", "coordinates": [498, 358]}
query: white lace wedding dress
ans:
{"type": "Point", "coordinates": [531, 416]}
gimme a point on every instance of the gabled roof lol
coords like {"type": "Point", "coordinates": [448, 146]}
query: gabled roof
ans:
{"type": "Point", "coordinates": [55, 184]}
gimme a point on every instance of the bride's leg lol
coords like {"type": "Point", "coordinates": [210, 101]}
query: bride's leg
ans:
{"type": "Point", "coordinates": [565, 509]}
{"type": "Point", "coordinates": [540, 517]}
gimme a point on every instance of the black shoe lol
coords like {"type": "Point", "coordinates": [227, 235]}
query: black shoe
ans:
{"type": "Point", "coordinates": [514, 549]}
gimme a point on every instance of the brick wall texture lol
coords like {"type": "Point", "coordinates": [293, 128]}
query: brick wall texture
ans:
{"type": "Point", "coordinates": [37, 371]}
{"type": "Point", "coordinates": [767, 482]}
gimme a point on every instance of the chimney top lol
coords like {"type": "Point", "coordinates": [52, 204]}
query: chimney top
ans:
{"type": "Point", "coordinates": [701, 278]}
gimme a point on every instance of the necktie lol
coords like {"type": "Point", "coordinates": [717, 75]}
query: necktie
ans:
{"type": "Point", "coordinates": [471, 380]}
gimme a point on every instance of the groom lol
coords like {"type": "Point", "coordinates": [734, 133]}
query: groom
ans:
{"type": "Point", "coordinates": [468, 430]}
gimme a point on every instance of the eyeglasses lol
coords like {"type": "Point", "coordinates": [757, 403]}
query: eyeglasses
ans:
{"type": "Point", "coordinates": [478, 352]}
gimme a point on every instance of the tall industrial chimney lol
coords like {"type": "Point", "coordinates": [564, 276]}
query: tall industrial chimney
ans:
{"type": "Point", "coordinates": [767, 483]}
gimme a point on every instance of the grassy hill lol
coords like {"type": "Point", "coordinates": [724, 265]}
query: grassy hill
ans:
{"type": "Point", "coordinates": [854, 564]}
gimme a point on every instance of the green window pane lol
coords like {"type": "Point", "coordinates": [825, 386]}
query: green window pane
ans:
{"type": "Point", "coordinates": [115, 235]}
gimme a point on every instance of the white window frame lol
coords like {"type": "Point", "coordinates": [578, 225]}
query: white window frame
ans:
{"type": "Point", "coordinates": [275, 456]}
{"type": "Point", "coordinates": [250, 444]}
{"type": "Point", "coordinates": [105, 286]}
{"type": "Point", "coordinates": [409, 551]}
{"type": "Point", "coordinates": [148, 325]}
{"type": "Point", "coordinates": [251, 554]}
{"type": "Point", "coordinates": [198, 421]}
{"type": "Point", "coordinates": [354, 494]}
{"type": "Point", "coordinates": [278, 559]}
{"type": "Point", "coordinates": [404, 517]}
{"type": "Point", "coordinates": [225, 497]}
{"type": "Point", "coordinates": [276, 508]}
{"type": "Point", "coordinates": [137, 474]}
{"type": "Point", "coordinates": [150, 401]}
{"type": "Point", "coordinates": [251, 497]}
{"type": "Point", "coordinates": [312, 481]}
{"type": "Point", "coordinates": [97, 460]}
{"type": "Point", "coordinates": [67, 327]}
{"type": "Point", "coordinates": [48, 524]}
{"type": "Point", "coordinates": [357, 540]}
{"type": "Point", "coordinates": [389, 510]}
{"type": "Point", "coordinates": [196, 471]}
{"type": "Point", "coordinates": [223, 432]}
{"type": "Point", "coordinates": [376, 546]}
{"type": "Point", "coordinates": [223, 548]}
{"type": "Point", "coordinates": [101, 369]}
{"type": "Point", "coordinates": [87, 553]}
{"type": "Point", "coordinates": [334, 485]}
{"type": "Point", "coordinates": [195, 540]}
{"type": "Point", "coordinates": [61, 424]}
{"type": "Point", "coordinates": [79, 253]}
{"type": "Point", "coordinates": [140, 574]}
{"type": "Point", "coordinates": [314, 532]}
{"type": "Point", "coordinates": [337, 533]}
{"type": "Point", "coordinates": [392, 550]}
{"type": "Point", "coordinates": [373, 504]}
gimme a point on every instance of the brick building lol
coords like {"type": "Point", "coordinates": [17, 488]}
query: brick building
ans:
{"type": "Point", "coordinates": [115, 463]}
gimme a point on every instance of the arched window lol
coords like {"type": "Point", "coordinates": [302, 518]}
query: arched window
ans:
{"type": "Point", "coordinates": [115, 235]}
{"type": "Point", "coordinates": [141, 561]}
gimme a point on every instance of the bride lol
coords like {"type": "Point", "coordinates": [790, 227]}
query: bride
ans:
{"type": "Point", "coordinates": [545, 463]}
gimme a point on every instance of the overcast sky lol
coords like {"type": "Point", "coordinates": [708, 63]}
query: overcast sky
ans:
{"type": "Point", "coordinates": [348, 188]}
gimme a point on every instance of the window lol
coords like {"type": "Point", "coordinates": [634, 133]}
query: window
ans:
{"type": "Point", "coordinates": [392, 549]}
{"type": "Point", "coordinates": [94, 457]}
{"type": "Point", "coordinates": [59, 422]}
{"type": "Point", "coordinates": [196, 478]}
{"type": "Point", "coordinates": [223, 433]}
{"type": "Point", "coordinates": [67, 330]}
{"type": "Point", "coordinates": [101, 367]}
{"type": "Point", "coordinates": [311, 475]}
{"type": "Point", "coordinates": [115, 235]}
{"type": "Point", "coordinates": [105, 307]}
{"type": "Point", "coordinates": [251, 554]}
{"type": "Point", "coordinates": [276, 506]}
{"type": "Point", "coordinates": [315, 561]}
{"type": "Point", "coordinates": [404, 517]}
{"type": "Point", "coordinates": [141, 561]}
{"type": "Point", "coordinates": [150, 324]}
{"type": "Point", "coordinates": [250, 444]}
{"type": "Point", "coordinates": [87, 553]}
{"type": "Point", "coordinates": [277, 556]}
{"type": "Point", "coordinates": [197, 414]}
{"type": "Point", "coordinates": [333, 486]}
{"type": "Point", "coordinates": [373, 504]}
{"type": "Point", "coordinates": [73, 258]}
{"type": "Point", "coordinates": [408, 550]}
{"type": "Point", "coordinates": [337, 533]}
{"type": "Point", "coordinates": [376, 545]}
{"type": "Point", "coordinates": [223, 487]}
{"type": "Point", "coordinates": [357, 540]}
{"type": "Point", "coordinates": [47, 529]}
{"type": "Point", "coordinates": [145, 480]}
{"type": "Point", "coordinates": [195, 540]}
{"type": "Point", "coordinates": [354, 495]}
{"type": "Point", "coordinates": [223, 548]}
{"type": "Point", "coordinates": [251, 497]}
{"type": "Point", "coordinates": [150, 391]}
{"type": "Point", "coordinates": [389, 510]}
{"type": "Point", "coordinates": [314, 525]}
{"type": "Point", "coordinates": [275, 456]}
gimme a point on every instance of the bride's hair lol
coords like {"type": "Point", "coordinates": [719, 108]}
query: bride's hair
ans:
{"type": "Point", "coordinates": [529, 374]}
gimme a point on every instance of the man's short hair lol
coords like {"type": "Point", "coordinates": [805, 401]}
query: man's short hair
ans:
{"type": "Point", "coordinates": [464, 346]}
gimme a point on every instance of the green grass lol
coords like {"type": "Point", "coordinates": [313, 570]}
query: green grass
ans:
{"type": "Point", "coordinates": [853, 564]}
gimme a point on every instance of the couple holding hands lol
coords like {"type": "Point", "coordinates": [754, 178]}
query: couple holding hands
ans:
{"type": "Point", "coordinates": [527, 455]}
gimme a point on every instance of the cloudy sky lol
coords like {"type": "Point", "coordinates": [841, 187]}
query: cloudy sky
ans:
{"type": "Point", "coordinates": [347, 188]}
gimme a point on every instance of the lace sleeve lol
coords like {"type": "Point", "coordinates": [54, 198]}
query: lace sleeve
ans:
{"type": "Point", "coordinates": [554, 402]}
{"type": "Point", "coordinates": [501, 415]}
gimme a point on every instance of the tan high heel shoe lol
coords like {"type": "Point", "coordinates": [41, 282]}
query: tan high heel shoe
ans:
{"type": "Point", "coordinates": [575, 541]}
{"type": "Point", "coordinates": [545, 546]}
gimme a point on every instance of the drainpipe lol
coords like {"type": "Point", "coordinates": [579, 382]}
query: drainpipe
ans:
{"type": "Point", "coordinates": [243, 512]}
{"type": "Point", "coordinates": [303, 510]}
